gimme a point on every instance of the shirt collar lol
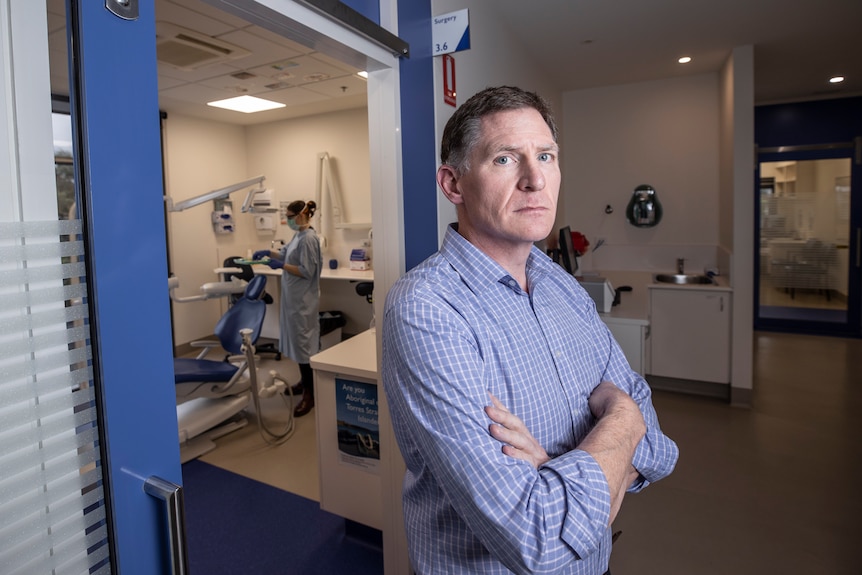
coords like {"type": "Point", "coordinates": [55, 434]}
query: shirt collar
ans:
{"type": "Point", "coordinates": [480, 272]}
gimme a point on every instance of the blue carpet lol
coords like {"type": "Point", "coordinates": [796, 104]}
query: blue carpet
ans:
{"type": "Point", "coordinates": [235, 525]}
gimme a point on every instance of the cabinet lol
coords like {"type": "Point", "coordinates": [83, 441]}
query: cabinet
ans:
{"type": "Point", "coordinates": [349, 480]}
{"type": "Point", "coordinates": [690, 334]}
{"type": "Point", "coordinates": [632, 339]}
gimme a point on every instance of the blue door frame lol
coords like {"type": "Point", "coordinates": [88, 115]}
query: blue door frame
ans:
{"type": "Point", "coordinates": [808, 131]}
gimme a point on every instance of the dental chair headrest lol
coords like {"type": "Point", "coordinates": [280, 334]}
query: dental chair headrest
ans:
{"type": "Point", "coordinates": [255, 287]}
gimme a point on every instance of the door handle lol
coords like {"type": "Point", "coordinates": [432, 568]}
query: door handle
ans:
{"type": "Point", "coordinates": [172, 495]}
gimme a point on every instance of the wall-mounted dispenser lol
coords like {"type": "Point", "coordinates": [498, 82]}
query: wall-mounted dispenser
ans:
{"type": "Point", "coordinates": [644, 209]}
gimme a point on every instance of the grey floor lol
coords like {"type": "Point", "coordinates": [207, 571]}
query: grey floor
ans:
{"type": "Point", "coordinates": [769, 490]}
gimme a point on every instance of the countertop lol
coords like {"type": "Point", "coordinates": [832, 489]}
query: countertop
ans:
{"type": "Point", "coordinates": [325, 273]}
{"type": "Point", "coordinates": [356, 356]}
{"type": "Point", "coordinates": [634, 305]}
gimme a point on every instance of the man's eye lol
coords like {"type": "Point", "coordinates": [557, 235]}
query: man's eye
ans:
{"type": "Point", "coordinates": [503, 160]}
{"type": "Point", "coordinates": [546, 157]}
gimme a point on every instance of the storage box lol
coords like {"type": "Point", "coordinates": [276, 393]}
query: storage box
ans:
{"type": "Point", "coordinates": [601, 291]}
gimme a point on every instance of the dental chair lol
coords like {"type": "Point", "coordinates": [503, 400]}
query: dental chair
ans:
{"type": "Point", "coordinates": [245, 273]}
{"type": "Point", "coordinates": [213, 394]}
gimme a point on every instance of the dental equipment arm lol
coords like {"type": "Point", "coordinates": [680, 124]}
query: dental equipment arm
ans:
{"type": "Point", "coordinates": [216, 194]}
{"type": "Point", "coordinates": [209, 290]}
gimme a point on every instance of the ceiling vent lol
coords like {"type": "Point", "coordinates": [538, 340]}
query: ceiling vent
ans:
{"type": "Point", "coordinates": [188, 50]}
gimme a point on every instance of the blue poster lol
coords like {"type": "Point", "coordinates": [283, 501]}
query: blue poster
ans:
{"type": "Point", "coordinates": [358, 427]}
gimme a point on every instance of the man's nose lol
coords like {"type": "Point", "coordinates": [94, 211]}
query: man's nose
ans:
{"type": "Point", "coordinates": [532, 176]}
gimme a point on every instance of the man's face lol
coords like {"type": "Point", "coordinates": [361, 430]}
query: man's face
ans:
{"type": "Point", "coordinates": [508, 197]}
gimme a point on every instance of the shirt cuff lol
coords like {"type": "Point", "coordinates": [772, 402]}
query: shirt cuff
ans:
{"type": "Point", "coordinates": [587, 501]}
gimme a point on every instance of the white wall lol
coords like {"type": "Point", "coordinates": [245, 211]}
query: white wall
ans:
{"type": "Point", "coordinates": [739, 175]}
{"type": "Point", "coordinates": [199, 156]}
{"type": "Point", "coordinates": [494, 59]}
{"type": "Point", "coordinates": [286, 152]}
{"type": "Point", "coordinates": [662, 133]}
{"type": "Point", "coordinates": [205, 155]}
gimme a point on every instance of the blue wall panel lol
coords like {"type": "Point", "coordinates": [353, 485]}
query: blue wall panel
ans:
{"type": "Point", "coordinates": [417, 132]}
{"type": "Point", "coordinates": [368, 8]}
{"type": "Point", "coordinates": [808, 123]}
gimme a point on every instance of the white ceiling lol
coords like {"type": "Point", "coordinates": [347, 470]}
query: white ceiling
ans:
{"type": "Point", "coordinates": [798, 45]}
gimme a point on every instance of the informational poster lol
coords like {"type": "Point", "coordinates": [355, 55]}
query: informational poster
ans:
{"type": "Point", "coordinates": [358, 427]}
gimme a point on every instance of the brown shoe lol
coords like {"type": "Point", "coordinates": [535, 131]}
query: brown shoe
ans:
{"type": "Point", "coordinates": [306, 405]}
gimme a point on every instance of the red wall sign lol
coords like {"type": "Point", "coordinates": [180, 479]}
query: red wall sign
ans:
{"type": "Point", "coordinates": [449, 80]}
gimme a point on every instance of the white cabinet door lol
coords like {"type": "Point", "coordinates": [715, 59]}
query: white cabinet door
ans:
{"type": "Point", "coordinates": [690, 332]}
{"type": "Point", "coordinates": [630, 338]}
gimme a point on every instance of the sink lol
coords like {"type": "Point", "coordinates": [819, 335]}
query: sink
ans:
{"type": "Point", "coordinates": [684, 279]}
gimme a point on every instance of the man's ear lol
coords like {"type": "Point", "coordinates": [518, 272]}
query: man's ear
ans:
{"type": "Point", "coordinates": [447, 179]}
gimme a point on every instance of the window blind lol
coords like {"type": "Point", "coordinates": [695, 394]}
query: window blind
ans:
{"type": "Point", "coordinates": [52, 505]}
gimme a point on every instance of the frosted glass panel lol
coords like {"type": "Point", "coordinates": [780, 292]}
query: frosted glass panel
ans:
{"type": "Point", "coordinates": [52, 508]}
{"type": "Point", "coordinates": [804, 230]}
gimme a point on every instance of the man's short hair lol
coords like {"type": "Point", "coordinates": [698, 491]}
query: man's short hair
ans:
{"type": "Point", "coordinates": [462, 129]}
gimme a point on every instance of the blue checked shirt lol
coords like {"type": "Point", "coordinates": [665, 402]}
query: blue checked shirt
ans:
{"type": "Point", "coordinates": [457, 327]}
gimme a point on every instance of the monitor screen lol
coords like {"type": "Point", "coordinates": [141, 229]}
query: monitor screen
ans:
{"type": "Point", "coordinates": [567, 250]}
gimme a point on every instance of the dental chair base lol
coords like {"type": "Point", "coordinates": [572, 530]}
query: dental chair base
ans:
{"type": "Point", "coordinates": [199, 421]}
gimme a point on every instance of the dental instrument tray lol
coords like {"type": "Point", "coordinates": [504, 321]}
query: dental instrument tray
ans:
{"type": "Point", "coordinates": [249, 262]}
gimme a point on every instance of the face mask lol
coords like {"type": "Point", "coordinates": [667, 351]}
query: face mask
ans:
{"type": "Point", "coordinates": [291, 223]}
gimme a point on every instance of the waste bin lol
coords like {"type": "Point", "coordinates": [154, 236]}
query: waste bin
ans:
{"type": "Point", "coordinates": [331, 323]}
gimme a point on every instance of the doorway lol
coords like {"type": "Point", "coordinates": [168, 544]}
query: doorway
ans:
{"type": "Point", "coordinates": [807, 273]}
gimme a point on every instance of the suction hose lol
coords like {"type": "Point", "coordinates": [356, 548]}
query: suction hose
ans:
{"type": "Point", "coordinates": [269, 436]}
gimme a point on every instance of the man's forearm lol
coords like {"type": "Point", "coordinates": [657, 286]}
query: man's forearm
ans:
{"type": "Point", "coordinates": [612, 442]}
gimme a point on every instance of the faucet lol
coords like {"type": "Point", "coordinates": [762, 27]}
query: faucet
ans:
{"type": "Point", "coordinates": [272, 244]}
{"type": "Point", "coordinates": [680, 266]}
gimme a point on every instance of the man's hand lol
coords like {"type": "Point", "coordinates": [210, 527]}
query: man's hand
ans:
{"type": "Point", "coordinates": [517, 440]}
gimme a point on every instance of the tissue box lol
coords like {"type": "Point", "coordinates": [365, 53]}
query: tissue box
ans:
{"type": "Point", "coordinates": [601, 291]}
{"type": "Point", "coordinates": [360, 265]}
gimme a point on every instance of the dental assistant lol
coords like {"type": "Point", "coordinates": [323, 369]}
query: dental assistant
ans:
{"type": "Point", "coordinates": [299, 321]}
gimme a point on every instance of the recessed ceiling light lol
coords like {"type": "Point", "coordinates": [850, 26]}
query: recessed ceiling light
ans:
{"type": "Point", "coordinates": [362, 74]}
{"type": "Point", "coordinates": [684, 60]}
{"type": "Point", "coordinates": [836, 79]}
{"type": "Point", "coordinates": [246, 104]}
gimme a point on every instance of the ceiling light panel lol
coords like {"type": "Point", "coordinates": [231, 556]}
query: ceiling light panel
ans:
{"type": "Point", "coordinates": [246, 104]}
{"type": "Point", "coordinates": [198, 93]}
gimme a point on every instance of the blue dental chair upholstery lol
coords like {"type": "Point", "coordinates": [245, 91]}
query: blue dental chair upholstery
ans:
{"type": "Point", "coordinates": [212, 393]}
{"type": "Point", "coordinates": [246, 274]}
